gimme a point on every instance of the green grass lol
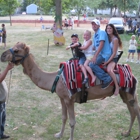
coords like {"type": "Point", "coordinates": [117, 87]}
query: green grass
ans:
{"type": "Point", "coordinates": [37, 113]}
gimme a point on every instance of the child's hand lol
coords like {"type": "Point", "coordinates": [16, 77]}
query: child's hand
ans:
{"type": "Point", "coordinates": [67, 47]}
{"type": "Point", "coordinates": [76, 44]}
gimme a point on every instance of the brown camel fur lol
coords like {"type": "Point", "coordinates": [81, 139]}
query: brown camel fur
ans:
{"type": "Point", "coordinates": [20, 55]}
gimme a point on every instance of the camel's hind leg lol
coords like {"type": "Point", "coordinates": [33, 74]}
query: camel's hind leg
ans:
{"type": "Point", "coordinates": [132, 119]}
{"type": "Point", "coordinates": [137, 111]}
{"type": "Point", "coordinates": [134, 110]}
{"type": "Point", "coordinates": [64, 119]}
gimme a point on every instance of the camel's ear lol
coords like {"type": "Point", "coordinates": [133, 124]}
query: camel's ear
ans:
{"type": "Point", "coordinates": [26, 48]}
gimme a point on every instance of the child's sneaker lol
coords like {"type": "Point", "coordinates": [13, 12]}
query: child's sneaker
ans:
{"type": "Point", "coordinates": [137, 61]}
{"type": "Point", "coordinates": [85, 81]}
{"type": "Point", "coordinates": [132, 60]}
{"type": "Point", "coordinates": [127, 60]}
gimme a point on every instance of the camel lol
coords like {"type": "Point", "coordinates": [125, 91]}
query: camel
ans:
{"type": "Point", "coordinates": [20, 54]}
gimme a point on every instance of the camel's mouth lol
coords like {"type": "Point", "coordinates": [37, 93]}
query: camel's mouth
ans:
{"type": "Point", "coordinates": [17, 62]}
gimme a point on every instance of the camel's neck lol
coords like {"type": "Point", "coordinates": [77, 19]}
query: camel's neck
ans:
{"type": "Point", "coordinates": [42, 79]}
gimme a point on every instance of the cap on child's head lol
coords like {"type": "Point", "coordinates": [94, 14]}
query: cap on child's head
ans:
{"type": "Point", "coordinates": [74, 35]}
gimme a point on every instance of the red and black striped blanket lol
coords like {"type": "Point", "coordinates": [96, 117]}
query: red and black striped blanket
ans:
{"type": "Point", "coordinates": [73, 76]}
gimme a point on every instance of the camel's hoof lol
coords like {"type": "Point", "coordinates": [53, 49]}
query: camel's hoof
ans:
{"type": "Point", "coordinates": [58, 135]}
{"type": "Point", "coordinates": [126, 134]}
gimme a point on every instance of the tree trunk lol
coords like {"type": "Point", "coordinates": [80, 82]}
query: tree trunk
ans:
{"type": "Point", "coordinates": [58, 14]}
{"type": "Point", "coordinates": [115, 10]}
{"type": "Point", "coordinates": [138, 12]}
{"type": "Point", "coordinates": [78, 20]}
{"type": "Point", "coordinates": [111, 12]}
{"type": "Point", "coordinates": [95, 10]}
{"type": "Point", "coordinates": [58, 33]}
{"type": "Point", "coordinates": [10, 20]}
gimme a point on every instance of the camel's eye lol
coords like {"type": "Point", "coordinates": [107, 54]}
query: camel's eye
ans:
{"type": "Point", "coordinates": [15, 51]}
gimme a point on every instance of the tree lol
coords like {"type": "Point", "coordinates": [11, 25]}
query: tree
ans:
{"type": "Point", "coordinates": [122, 5]}
{"type": "Point", "coordinates": [8, 7]}
{"type": "Point", "coordinates": [127, 4]}
{"type": "Point", "coordinates": [79, 6]}
{"type": "Point", "coordinates": [49, 5]}
{"type": "Point", "coordinates": [25, 3]}
{"type": "Point", "coordinates": [138, 11]}
{"type": "Point", "coordinates": [58, 13]}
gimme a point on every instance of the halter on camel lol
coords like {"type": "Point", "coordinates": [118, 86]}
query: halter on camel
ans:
{"type": "Point", "coordinates": [15, 55]}
{"type": "Point", "coordinates": [22, 60]}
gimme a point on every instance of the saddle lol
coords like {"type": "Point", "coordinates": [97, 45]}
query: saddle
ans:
{"type": "Point", "coordinates": [73, 76]}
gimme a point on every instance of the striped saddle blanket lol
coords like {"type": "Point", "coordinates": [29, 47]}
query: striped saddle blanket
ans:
{"type": "Point", "coordinates": [73, 76]}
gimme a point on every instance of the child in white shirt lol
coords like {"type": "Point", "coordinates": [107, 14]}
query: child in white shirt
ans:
{"type": "Point", "coordinates": [132, 48]}
{"type": "Point", "coordinates": [88, 51]}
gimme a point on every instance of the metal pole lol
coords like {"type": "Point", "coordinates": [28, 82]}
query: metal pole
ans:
{"type": "Point", "coordinates": [48, 47]}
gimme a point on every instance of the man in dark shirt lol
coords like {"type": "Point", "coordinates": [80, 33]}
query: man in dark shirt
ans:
{"type": "Point", "coordinates": [129, 23]}
{"type": "Point", "coordinates": [3, 95]}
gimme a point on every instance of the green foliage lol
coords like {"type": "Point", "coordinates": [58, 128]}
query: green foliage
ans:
{"type": "Point", "coordinates": [8, 7]}
{"type": "Point", "coordinates": [125, 5]}
{"type": "Point", "coordinates": [25, 3]}
{"type": "Point", "coordinates": [47, 6]}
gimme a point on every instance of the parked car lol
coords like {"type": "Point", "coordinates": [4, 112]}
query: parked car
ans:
{"type": "Point", "coordinates": [118, 23]}
{"type": "Point", "coordinates": [130, 15]}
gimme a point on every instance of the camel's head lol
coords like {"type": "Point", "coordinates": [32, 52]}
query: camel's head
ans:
{"type": "Point", "coordinates": [17, 54]}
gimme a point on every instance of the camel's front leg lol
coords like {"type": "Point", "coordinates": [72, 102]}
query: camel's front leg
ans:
{"type": "Point", "coordinates": [132, 119]}
{"type": "Point", "coordinates": [64, 119]}
{"type": "Point", "coordinates": [70, 107]}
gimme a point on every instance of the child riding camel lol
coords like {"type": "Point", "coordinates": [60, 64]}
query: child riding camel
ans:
{"type": "Point", "coordinates": [77, 52]}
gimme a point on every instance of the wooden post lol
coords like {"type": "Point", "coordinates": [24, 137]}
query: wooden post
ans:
{"type": "Point", "coordinates": [48, 47]}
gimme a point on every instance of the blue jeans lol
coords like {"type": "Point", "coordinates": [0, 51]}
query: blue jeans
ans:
{"type": "Point", "coordinates": [82, 60]}
{"type": "Point", "coordinates": [2, 118]}
{"type": "Point", "coordinates": [100, 73]}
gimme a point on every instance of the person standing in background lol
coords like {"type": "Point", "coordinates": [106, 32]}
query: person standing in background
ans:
{"type": "Point", "coordinates": [129, 23]}
{"type": "Point", "coordinates": [132, 48]}
{"type": "Point", "coordinates": [138, 50]}
{"type": "Point", "coordinates": [41, 19]}
{"type": "Point", "coordinates": [3, 95]}
{"type": "Point", "coordinates": [4, 35]}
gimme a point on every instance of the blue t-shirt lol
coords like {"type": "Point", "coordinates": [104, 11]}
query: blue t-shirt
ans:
{"type": "Point", "coordinates": [138, 30]}
{"type": "Point", "coordinates": [101, 35]}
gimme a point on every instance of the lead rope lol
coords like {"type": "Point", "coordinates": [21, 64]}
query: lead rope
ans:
{"type": "Point", "coordinates": [9, 86]}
